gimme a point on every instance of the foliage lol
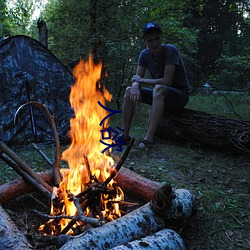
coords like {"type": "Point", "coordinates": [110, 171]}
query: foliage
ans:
{"type": "Point", "coordinates": [212, 36]}
{"type": "Point", "coordinates": [223, 31]}
{"type": "Point", "coordinates": [4, 20]}
{"type": "Point", "coordinates": [232, 72]}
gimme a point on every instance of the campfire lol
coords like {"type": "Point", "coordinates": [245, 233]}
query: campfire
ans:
{"type": "Point", "coordinates": [87, 198]}
{"type": "Point", "coordinates": [87, 189]}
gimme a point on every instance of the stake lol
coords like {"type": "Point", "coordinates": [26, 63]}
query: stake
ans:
{"type": "Point", "coordinates": [24, 166]}
{"type": "Point", "coordinates": [120, 163]}
{"type": "Point", "coordinates": [42, 154]}
{"type": "Point", "coordinates": [25, 176]}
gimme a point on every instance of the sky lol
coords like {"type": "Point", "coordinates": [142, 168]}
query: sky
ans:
{"type": "Point", "coordinates": [38, 3]}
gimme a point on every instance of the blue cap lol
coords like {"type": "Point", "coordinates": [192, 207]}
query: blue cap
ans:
{"type": "Point", "coordinates": [150, 26]}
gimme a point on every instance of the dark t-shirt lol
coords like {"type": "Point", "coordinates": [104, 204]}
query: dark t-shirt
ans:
{"type": "Point", "coordinates": [171, 56]}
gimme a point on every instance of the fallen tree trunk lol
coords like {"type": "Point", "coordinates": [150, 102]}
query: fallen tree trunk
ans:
{"type": "Point", "coordinates": [163, 239]}
{"type": "Point", "coordinates": [150, 218]}
{"type": "Point", "coordinates": [212, 131]}
{"type": "Point", "coordinates": [10, 237]}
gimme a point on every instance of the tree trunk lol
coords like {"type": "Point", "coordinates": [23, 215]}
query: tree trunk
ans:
{"type": "Point", "coordinates": [43, 32]}
{"type": "Point", "coordinates": [10, 237]}
{"type": "Point", "coordinates": [212, 131]}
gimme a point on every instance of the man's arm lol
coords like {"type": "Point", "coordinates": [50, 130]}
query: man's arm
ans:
{"type": "Point", "coordinates": [166, 80]}
{"type": "Point", "coordinates": [135, 93]}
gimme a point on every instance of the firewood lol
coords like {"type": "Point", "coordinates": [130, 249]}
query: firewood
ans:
{"type": "Point", "coordinates": [136, 185]}
{"type": "Point", "coordinates": [150, 218]}
{"type": "Point", "coordinates": [26, 176]}
{"type": "Point", "coordinates": [13, 156]}
{"type": "Point", "coordinates": [132, 183]}
{"type": "Point", "coordinates": [161, 240]}
{"type": "Point", "coordinates": [10, 237]}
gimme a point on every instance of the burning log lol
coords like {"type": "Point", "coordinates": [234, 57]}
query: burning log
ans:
{"type": "Point", "coordinates": [137, 185]}
{"type": "Point", "coordinates": [163, 239]}
{"type": "Point", "coordinates": [10, 237]}
{"type": "Point", "coordinates": [165, 210]}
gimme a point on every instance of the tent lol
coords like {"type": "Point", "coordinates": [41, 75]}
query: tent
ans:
{"type": "Point", "coordinates": [30, 72]}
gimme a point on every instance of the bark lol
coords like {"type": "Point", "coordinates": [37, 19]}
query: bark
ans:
{"type": "Point", "coordinates": [139, 223]}
{"type": "Point", "coordinates": [150, 218]}
{"type": "Point", "coordinates": [212, 131]}
{"type": "Point", "coordinates": [10, 237]}
{"type": "Point", "coordinates": [43, 32]}
{"type": "Point", "coordinates": [163, 239]}
{"type": "Point", "coordinates": [136, 185]}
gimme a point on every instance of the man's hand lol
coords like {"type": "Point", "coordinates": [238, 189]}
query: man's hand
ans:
{"type": "Point", "coordinates": [136, 78]}
{"type": "Point", "coordinates": [135, 93]}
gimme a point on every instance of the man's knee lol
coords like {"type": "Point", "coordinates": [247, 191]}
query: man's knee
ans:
{"type": "Point", "coordinates": [159, 91]}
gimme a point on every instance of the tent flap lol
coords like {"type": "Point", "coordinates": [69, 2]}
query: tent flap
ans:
{"type": "Point", "coordinates": [30, 72]}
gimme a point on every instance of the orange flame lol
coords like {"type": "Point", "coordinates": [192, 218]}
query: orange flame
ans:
{"type": "Point", "coordinates": [86, 135]}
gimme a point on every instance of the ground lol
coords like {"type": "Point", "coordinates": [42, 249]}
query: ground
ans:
{"type": "Point", "coordinates": [219, 180]}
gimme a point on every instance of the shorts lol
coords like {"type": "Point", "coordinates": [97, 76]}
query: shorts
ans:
{"type": "Point", "coordinates": [174, 100]}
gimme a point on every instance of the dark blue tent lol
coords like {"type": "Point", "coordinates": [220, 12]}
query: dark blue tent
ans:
{"type": "Point", "coordinates": [29, 71]}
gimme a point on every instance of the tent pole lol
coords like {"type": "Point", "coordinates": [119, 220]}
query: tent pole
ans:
{"type": "Point", "coordinates": [33, 125]}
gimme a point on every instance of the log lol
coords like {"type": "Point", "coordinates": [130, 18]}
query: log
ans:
{"type": "Point", "coordinates": [10, 237]}
{"type": "Point", "coordinates": [161, 240]}
{"type": "Point", "coordinates": [150, 218]}
{"type": "Point", "coordinates": [131, 182]}
{"type": "Point", "coordinates": [136, 185]}
{"type": "Point", "coordinates": [18, 187]}
{"type": "Point", "coordinates": [211, 131]}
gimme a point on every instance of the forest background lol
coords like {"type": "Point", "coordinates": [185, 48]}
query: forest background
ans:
{"type": "Point", "coordinates": [212, 36]}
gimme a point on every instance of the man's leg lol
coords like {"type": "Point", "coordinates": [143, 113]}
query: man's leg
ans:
{"type": "Point", "coordinates": [157, 111]}
{"type": "Point", "coordinates": [128, 110]}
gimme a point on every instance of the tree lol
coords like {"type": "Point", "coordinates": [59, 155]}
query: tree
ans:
{"type": "Point", "coordinates": [223, 32]}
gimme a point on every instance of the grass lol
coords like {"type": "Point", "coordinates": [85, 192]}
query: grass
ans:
{"type": "Point", "coordinates": [220, 181]}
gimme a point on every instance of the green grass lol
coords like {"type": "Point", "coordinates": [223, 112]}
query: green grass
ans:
{"type": "Point", "coordinates": [233, 106]}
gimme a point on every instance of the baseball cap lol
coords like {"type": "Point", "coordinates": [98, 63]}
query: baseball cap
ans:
{"type": "Point", "coordinates": [150, 26]}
